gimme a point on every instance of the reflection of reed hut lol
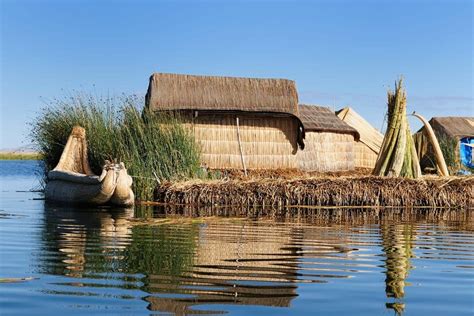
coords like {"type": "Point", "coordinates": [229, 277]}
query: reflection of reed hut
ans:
{"type": "Point", "coordinates": [367, 148]}
{"type": "Point", "coordinates": [456, 138]}
{"type": "Point", "coordinates": [237, 255]}
{"type": "Point", "coordinates": [236, 264]}
{"type": "Point", "coordinates": [329, 142]}
{"type": "Point", "coordinates": [234, 120]}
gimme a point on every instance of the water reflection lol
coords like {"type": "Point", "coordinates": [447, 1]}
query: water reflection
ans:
{"type": "Point", "coordinates": [186, 267]}
{"type": "Point", "coordinates": [69, 233]}
{"type": "Point", "coordinates": [233, 264]}
{"type": "Point", "coordinates": [397, 244]}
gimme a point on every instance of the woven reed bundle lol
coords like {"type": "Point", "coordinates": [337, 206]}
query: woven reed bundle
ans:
{"type": "Point", "coordinates": [74, 157]}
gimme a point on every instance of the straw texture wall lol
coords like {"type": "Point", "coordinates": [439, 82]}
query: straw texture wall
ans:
{"type": "Point", "coordinates": [329, 142]}
{"type": "Point", "coordinates": [267, 142]}
{"type": "Point", "coordinates": [368, 146]}
{"type": "Point", "coordinates": [326, 151]}
{"type": "Point", "coordinates": [364, 157]}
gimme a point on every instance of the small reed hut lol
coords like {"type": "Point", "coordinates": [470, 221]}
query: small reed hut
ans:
{"type": "Point", "coordinates": [456, 138]}
{"type": "Point", "coordinates": [239, 123]}
{"type": "Point", "coordinates": [367, 148]}
{"type": "Point", "coordinates": [329, 142]}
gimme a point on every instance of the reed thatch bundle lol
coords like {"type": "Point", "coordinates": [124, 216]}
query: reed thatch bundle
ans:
{"type": "Point", "coordinates": [329, 191]}
{"type": "Point", "coordinates": [322, 119]}
{"type": "Point", "coordinates": [397, 157]}
{"type": "Point", "coordinates": [189, 92]}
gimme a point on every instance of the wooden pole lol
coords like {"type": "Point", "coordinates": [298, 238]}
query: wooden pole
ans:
{"type": "Point", "coordinates": [240, 146]}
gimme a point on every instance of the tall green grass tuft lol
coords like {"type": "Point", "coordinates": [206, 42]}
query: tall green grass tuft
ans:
{"type": "Point", "coordinates": [151, 146]}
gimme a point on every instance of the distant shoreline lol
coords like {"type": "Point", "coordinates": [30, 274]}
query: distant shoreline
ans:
{"type": "Point", "coordinates": [6, 155]}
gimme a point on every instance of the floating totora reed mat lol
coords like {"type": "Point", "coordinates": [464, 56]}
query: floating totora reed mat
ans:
{"type": "Point", "coordinates": [455, 192]}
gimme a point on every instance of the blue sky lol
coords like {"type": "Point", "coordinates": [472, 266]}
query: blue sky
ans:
{"type": "Point", "coordinates": [338, 52]}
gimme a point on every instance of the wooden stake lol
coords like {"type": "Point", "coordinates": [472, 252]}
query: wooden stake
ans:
{"type": "Point", "coordinates": [240, 147]}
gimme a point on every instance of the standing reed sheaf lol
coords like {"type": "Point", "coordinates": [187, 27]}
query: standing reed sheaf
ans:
{"type": "Point", "coordinates": [397, 157]}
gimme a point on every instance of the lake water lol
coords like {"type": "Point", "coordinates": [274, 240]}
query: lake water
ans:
{"type": "Point", "coordinates": [339, 262]}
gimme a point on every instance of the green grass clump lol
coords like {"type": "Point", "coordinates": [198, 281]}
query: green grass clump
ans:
{"type": "Point", "coordinates": [151, 146]}
{"type": "Point", "coordinates": [449, 148]}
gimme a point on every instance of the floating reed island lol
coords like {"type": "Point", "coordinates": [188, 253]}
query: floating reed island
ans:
{"type": "Point", "coordinates": [209, 141]}
{"type": "Point", "coordinates": [370, 191]}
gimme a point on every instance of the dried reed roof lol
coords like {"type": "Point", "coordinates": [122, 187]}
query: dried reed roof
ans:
{"type": "Point", "coordinates": [370, 136]}
{"type": "Point", "coordinates": [190, 92]}
{"type": "Point", "coordinates": [322, 119]}
{"type": "Point", "coordinates": [454, 126]}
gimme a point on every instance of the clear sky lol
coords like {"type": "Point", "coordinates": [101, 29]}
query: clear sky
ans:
{"type": "Point", "coordinates": [338, 52]}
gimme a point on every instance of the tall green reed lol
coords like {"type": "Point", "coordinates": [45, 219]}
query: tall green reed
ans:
{"type": "Point", "coordinates": [151, 146]}
{"type": "Point", "coordinates": [449, 147]}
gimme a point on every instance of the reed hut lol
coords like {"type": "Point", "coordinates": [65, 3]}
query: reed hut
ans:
{"type": "Point", "coordinates": [238, 123]}
{"type": "Point", "coordinates": [329, 142]}
{"type": "Point", "coordinates": [367, 148]}
{"type": "Point", "coordinates": [456, 138]}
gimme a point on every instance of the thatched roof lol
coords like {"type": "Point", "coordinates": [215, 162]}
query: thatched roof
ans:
{"type": "Point", "coordinates": [188, 92]}
{"type": "Point", "coordinates": [454, 126]}
{"type": "Point", "coordinates": [371, 137]}
{"type": "Point", "coordinates": [322, 119]}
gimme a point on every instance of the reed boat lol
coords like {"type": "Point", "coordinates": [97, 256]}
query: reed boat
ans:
{"type": "Point", "coordinates": [72, 180]}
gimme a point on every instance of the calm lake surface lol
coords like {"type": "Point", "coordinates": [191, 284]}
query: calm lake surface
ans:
{"type": "Point", "coordinates": [340, 262]}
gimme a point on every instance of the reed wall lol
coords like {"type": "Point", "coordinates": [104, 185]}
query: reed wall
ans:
{"type": "Point", "coordinates": [364, 156]}
{"type": "Point", "coordinates": [267, 142]}
{"type": "Point", "coordinates": [326, 152]}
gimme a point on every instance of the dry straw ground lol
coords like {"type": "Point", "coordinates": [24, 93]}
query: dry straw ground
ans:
{"type": "Point", "coordinates": [322, 191]}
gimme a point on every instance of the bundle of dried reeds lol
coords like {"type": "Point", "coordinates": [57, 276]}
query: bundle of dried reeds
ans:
{"type": "Point", "coordinates": [397, 157]}
{"type": "Point", "coordinates": [329, 191]}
